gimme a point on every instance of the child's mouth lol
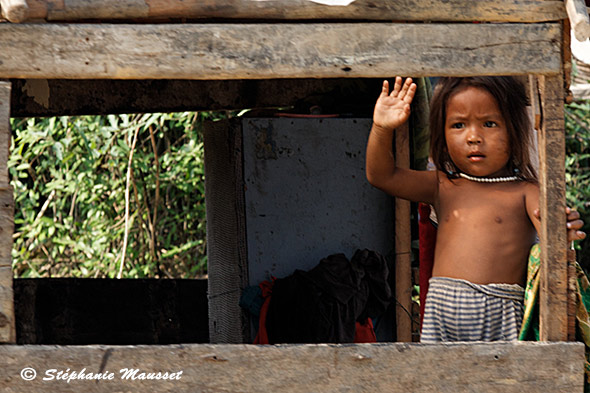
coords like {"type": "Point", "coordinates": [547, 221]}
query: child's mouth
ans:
{"type": "Point", "coordinates": [475, 157]}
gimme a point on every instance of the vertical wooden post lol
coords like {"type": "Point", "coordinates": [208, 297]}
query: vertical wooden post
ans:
{"type": "Point", "coordinates": [554, 273]}
{"type": "Point", "coordinates": [226, 232]}
{"type": "Point", "coordinates": [7, 326]}
{"type": "Point", "coordinates": [403, 239]}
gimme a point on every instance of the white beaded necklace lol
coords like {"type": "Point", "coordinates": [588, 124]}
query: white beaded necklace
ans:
{"type": "Point", "coordinates": [488, 179]}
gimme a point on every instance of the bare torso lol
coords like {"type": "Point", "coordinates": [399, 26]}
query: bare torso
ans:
{"type": "Point", "coordinates": [484, 233]}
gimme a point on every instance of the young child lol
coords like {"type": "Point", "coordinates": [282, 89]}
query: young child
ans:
{"type": "Point", "coordinates": [485, 194]}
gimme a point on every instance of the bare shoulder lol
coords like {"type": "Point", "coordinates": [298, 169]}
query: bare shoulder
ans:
{"type": "Point", "coordinates": [531, 191]}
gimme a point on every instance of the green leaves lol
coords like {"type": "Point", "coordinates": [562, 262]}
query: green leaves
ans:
{"type": "Point", "coordinates": [69, 176]}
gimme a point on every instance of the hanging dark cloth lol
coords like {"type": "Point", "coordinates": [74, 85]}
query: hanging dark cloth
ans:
{"type": "Point", "coordinates": [324, 304]}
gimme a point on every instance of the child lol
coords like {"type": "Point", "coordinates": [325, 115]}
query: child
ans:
{"type": "Point", "coordinates": [485, 194]}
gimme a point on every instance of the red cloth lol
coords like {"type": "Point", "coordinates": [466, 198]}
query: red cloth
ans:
{"type": "Point", "coordinates": [427, 239]}
{"type": "Point", "coordinates": [364, 332]}
{"type": "Point", "coordinates": [262, 335]}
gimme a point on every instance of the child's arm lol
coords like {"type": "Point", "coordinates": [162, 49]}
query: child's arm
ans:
{"type": "Point", "coordinates": [391, 111]}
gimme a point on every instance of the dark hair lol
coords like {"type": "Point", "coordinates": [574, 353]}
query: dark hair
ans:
{"type": "Point", "coordinates": [512, 100]}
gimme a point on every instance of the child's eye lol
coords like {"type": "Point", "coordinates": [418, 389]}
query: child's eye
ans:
{"type": "Point", "coordinates": [490, 124]}
{"type": "Point", "coordinates": [457, 125]}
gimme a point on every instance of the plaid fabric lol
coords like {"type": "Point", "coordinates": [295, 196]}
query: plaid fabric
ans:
{"type": "Point", "coordinates": [458, 310]}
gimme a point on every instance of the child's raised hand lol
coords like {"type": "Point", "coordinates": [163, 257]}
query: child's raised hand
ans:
{"type": "Point", "coordinates": [393, 109]}
{"type": "Point", "coordinates": [573, 225]}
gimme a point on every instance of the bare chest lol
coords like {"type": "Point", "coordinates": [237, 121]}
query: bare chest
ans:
{"type": "Point", "coordinates": [474, 205]}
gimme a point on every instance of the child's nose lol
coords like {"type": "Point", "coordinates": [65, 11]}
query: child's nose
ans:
{"type": "Point", "coordinates": [473, 137]}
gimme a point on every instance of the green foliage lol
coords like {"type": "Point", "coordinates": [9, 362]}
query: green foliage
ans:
{"type": "Point", "coordinates": [577, 124]}
{"type": "Point", "coordinates": [70, 180]}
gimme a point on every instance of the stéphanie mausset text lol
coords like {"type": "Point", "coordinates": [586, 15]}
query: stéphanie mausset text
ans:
{"type": "Point", "coordinates": [130, 374]}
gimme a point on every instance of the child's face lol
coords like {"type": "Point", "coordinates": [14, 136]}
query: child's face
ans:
{"type": "Point", "coordinates": [476, 134]}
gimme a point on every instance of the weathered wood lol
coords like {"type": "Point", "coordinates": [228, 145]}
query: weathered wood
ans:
{"type": "Point", "coordinates": [7, 320]}
{"type": "Point", "coordinates": [553, 298]}
{"type": "Point", "coordinates": [403, 240]}
{"type": "Point", "coordinates": [410, 10]}
{"type": "Point", "coordinates": [226, 232]}
{"type": "Point", "coordinates": [7, 330]}
{"type": "Point", "coordinates": [579, 20]}
{"type": "Point", "coordinates": [267, 51]}
{"type": "Point", "coordinates": [479, 367]}
{"type": "Point", "coordinates": [41, 97]}
{"type": "Point", "coordinates": [5, 132]}
{"type": "Point", "coordinates": [535, 103]}
{"type": "Point", "coordinates": [15, 11]}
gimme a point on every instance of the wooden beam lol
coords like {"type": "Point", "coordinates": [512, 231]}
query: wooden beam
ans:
{"type": "Point", "coordinates": [518, 367]}
{"type": "Point", "coordinates": [267, 51]}
{"type": "Point", "coordinates": [7, 322]}
{"type": "Point", "coordinates": [403, 240]}
{"type": "Point", "coordinates": [553, 297]}
{"type": "Point", "coordinates": [59, 97]}
{"type": "Point", "coordinates": [411, 10]}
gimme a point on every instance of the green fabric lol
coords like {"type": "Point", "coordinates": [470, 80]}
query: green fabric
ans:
{"type": "Point", "coordinates": [530, 324]}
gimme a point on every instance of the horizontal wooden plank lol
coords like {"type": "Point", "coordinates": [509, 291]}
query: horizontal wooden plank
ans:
{"type": "Point", "coordinates": [58, 97]}
{"type": "Point", "coordinates": [490, 367]}
{"type": "Point", "coordinates": [264, 51]}
{"type": "Point", "coordinates": [409, 10]}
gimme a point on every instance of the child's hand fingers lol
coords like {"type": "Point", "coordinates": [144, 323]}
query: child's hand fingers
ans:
{"type": "Point", "coordinates": [385, 89]}
{"type": "Point", "coordinates": [573, 234]}
{"type": "Point", "coordinates": [405, 88]}
{"type": "Point", "coordinates": [574, 224]}
{"type": "Point", "coordinates": [410, 94]}
{"type": "Point", "coordinates": [396, 87]}
{"type": "Point", "coordinates": [571, 214]}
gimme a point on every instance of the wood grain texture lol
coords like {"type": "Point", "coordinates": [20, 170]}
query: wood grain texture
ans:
{"type": "Point", "coordinates": [492, 367]}
{"type": "Point", "coordinates": [5, 131]}
{"type": "Point", "coordinates": [553, 297]}
{"type": "Point", "coordinates": [403, 240]}
{"type": "Point", "coordinates": [407, 10]}
{"type": "Point", "coordinates": [7, 321]}
{"type": "Point", "coordinates": [268, 51]}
